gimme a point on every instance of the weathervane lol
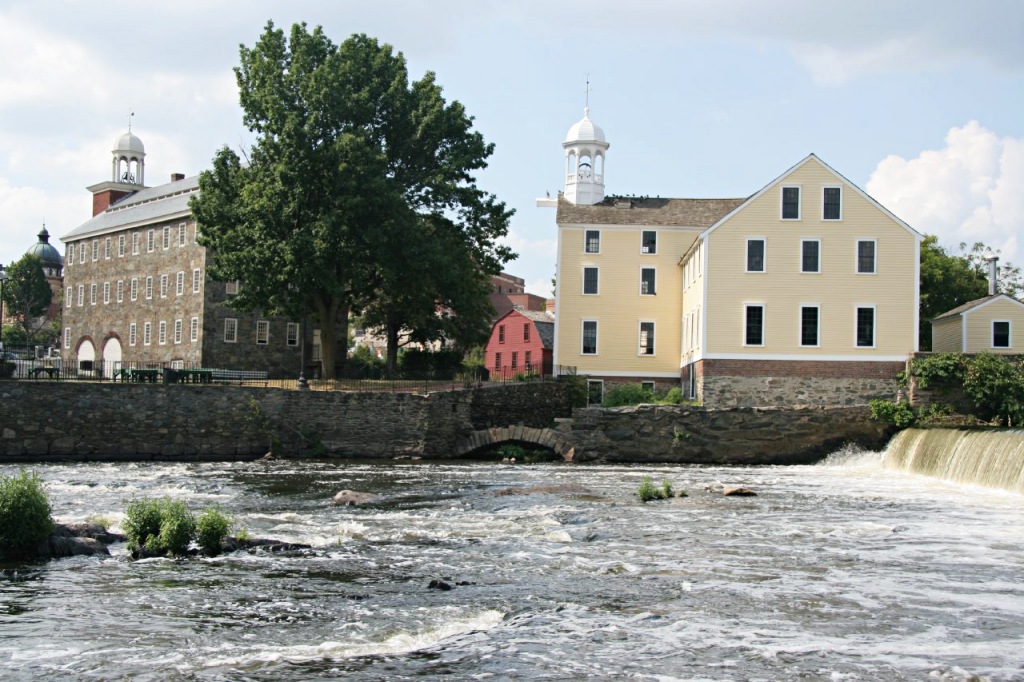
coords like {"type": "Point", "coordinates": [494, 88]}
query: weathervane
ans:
{"type": "Point", "coordinates": [587, 91]}
{"type": "Point", "coordinates": [130, 115]}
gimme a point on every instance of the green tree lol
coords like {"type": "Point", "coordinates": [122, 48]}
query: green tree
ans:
{"type": "Point", "coordinates": [27, 295]}
{"type": "Point", "coordinates": [947, 281]}
{"type": "Point", "coordinates": [348, 154]}
{"type": "Point", "coordinates": [1008, 275]}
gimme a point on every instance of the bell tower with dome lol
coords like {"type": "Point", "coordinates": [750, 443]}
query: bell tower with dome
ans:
{"type": "Point", "coordinates": [127, 173]}
{"type": "Point", "coordinates": [585, 148]}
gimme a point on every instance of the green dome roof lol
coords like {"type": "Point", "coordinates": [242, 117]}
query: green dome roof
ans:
{"type": "Point", "coordinates": [47, 253]}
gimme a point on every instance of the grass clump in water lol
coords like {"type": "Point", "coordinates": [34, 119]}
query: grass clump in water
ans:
{"type": "Point", "coordinates": [648, 491]}
{"type": "Point", "coordinates": [24, 513]}
{"type": "Point", "coordinates": [161, 527]}
{"type": "Point", "coordinates": [211, 529]}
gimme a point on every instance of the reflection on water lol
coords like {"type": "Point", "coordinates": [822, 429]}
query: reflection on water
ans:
{"type": "Point", "coordinates": [842, 571]}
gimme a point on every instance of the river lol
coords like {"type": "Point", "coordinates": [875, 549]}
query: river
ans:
{"type": "Point", "coordinates": [841, 571]}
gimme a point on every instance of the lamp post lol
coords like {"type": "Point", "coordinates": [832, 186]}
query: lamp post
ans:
{"type": "Point", "coordinates": [3, 280]}
{"type": "Point", "coordinates": [302, 354]}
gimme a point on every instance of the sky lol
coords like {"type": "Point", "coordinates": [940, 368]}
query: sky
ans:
{"type": "Point", "coordinates": [918, 102]}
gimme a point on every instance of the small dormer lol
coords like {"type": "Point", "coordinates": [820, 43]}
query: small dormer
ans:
{"type": "Point", "coordinates": [585, 148]}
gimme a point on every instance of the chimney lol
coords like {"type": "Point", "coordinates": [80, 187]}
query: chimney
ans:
{"type": "Point", "coordinates": [175, 177]}
{"type": "Point", "coordinates": [993, 275]}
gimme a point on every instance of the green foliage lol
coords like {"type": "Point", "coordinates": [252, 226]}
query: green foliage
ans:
{"type": "Point", "coordinates": [511, 451]}
{"type": "Point", "coordinates": [996, 387]}
{"type": "Point", "coordinates": [141, 523]}
{"type": "Point", "coordinates": [666, 489]}
{"type": "Point", "coordinates": [243, 535]}
{"type": "Point", "coordinates": [212, 527]}
{"type": "Point", "coordinates": [177, 528]}
{"type": "Point", "coordinates": [648, 491]}
{"type": "Point", "coordinates": [27, 295]}
{"type": "Point", "coordinates": [674, 396]}
{"type": "Point", "coordinates": [627, 394]}
{"type": "Point", "coordinates": [160, 526]}
{"type": "Point", "coordinates": [939, 369]}
{"type": "Point", "coordinates": [422, 364]}
{"type": "Point", "coordinates": [24, 513]}
{"type": "Point", "coordinates": [900, 414]}
{"type": "Point", "coordinates": [577, 389]}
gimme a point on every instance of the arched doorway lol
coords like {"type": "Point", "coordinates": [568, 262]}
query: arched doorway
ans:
{"type": "Point", "coordinates": [111, 356]}
{"type": "Point", "coordinates": [86, 356]}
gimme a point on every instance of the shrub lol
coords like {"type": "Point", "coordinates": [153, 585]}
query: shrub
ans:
{"type": "Point", "coordinates": [577, 389]}
{"type": "Point", "coordinates": [177, 527]}
{"type": "Point", "coordinates": [648, 491]}
{"type": "Point", "coordinates": [627, 394]}
{"type": "Point", "coordinates": [24, 513]}
{"type": "Point", "coordinates": [674, 396]}
{"type": "Point", "coordinates": [163, 526]}
{"type": "Point", "coordinates": [511, 451]}
{"type": "Point", "coordinates": [141, 523]}
{"type": "Point", "coordinates": [898, 414]}
{"type": "Point", "coordinates": [666, 489]}
{"type": "Point", "coordinates": [211, 528]}
{"type": "Point", "coordinates": [996, 387]}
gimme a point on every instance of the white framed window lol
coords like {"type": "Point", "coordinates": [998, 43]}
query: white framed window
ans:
{"type": "Point", "coordinates": [648, 277]}
{"type": "Point", "coordinates": [106, 249]}
{"type": "Point", "coordinates": [649, 242]}
{"type": "Point", "coordinates": [293, 333]}
{"type": "Point", "coordinates": [231, 288]}
{"type": "Point", "coordinates": [809, 326]}
{"type": "Point", "coordinates": [92, 294]}
{"type": "Point", "coordinates": [790, 208]}
{"type": "Point", "coordinates": [865, 326]}
{"type": "Point", "coordinates": [592, 241]}
{"type": "Point", "coordinates": [194, 330]}
{"type": "Point", "coordinates": [106, 293]}
{"type": "Point", "coordinates": [646, 338]}
{"type": "Point", "coordinates": [590, 280]}
{"type": "Point", "coordinates": [181, 234]}
{"type": "Point", "coordinates": [133, 290]}
{"type": "Point", "coordinates": [588, 332]}
{"type": "Point", "coordinates": [756, 254]}
{"type": "Point", "coordinates": [163, 286]}
{"type": "Point", "coordinates": [71, 254]}
{"type": "Point", "coordinates": [149, 287]}
{"type": "Point", "coordinates": [810, 256]}
{"type": "Point", "coordinates": [132, 334]}
{"type": "Point", "coordinates": [177, 331]}
{"type": "Point", "coordinates": [866, 264]}
{"type": "Point", "coordinates": [67, 337]}
{"type": "Point", "coordinates": [262, 332]}
{"type": "Point", "coordinates": [832, 202]}
{"type": "Point", "coordinates": [81, 253]}
{"type": "Point", "coordinates": [147, 333]}
{"type": "Point", "coordinates": [230, 330]}
{"type": "Point", "coordinates": [81, 295]}
{"type": "Point", "coordinates": [69, 295]}
{"type": "Point", "coordinates": [120, 291]}
{"type": "Point", "coordinates": [648, 386]}
{"type": "Point", "coordinates": [150, 241]}
{"type": "Point", "coordinates": [135, 243]}
{"type": "Point", "coordinates": [120, 246]}
{"type": "Point", "coordinates": [753, 324]}
{"type": "Point", "coordinates": [179, 284]}
{"type": "Point", "coordinates": [196, 279]}
{"type": "Point", "coordinates": [167, 237]}
{"type": "Point", "coordinates": [95, 250]}
{"type": "Point", "coordinates": [1001, 334]}
{"type": "Point", "coordinates": [161, 334]}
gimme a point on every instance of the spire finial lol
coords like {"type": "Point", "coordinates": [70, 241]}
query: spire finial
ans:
{"type": "Point", "coordinates": [130, 115]}
{"type": "Point", "coordinates": [587, 93]}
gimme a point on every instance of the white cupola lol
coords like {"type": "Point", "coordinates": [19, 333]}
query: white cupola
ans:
{"type": "Point", "coordinates": [585, 149]}
{"type": "Point", "coordinates": [129, 163]}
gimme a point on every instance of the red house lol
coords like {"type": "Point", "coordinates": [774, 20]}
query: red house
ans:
{"type": "Point", "coordinates": [521, 343]}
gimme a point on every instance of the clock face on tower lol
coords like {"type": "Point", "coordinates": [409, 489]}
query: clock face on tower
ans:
{"type": "Point", "coordinates": [585, 171]}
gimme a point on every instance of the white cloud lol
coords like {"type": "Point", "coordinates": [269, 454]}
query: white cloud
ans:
{"type": "Point", "coordinates": [968, 191]}
{"type": "Point", "coordinates": [536, 261]}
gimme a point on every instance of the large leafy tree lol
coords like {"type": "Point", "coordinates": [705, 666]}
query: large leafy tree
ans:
{"type": "Point", "coordinates": [346, 150]}
{"type": "Point", "coordinates": [27, 295]}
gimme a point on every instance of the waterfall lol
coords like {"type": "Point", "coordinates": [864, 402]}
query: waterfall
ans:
{"type": "Point", "coordinates": [993, 458]}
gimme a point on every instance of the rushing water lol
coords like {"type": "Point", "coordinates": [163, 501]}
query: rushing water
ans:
{"type": "Point", "coordinates": [841, 571]}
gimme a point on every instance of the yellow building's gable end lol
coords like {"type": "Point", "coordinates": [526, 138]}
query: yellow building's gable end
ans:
{"type": "Point", "coordinates": [995, 327]}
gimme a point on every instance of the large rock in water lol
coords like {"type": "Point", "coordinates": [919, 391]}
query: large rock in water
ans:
{"type": "Point", "coordinates": [75, 540]}
{"type": "Point", "coordinates": [352, 497]}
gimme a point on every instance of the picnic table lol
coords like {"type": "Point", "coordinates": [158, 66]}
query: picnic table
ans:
{"type": "Point", "coordinates": [195, 376]}
{"type": "Point", "coordinates": [135, 375]}
{"type": "Point", "coordinates": [50, 372]}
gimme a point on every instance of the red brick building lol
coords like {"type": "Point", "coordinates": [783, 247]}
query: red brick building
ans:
{"type": "Point", "coordinates": [509, 291]}
{"type": "Point", "coordinates": [521, 343]}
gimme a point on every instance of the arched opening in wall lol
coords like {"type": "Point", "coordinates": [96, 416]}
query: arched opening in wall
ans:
{"type": "Point", "coordinates": [86, 357]}
{"type": "Point", "coordinates": [586, 168]}
{"type": "Point", "coordinates": [111, 356]}
{"type": "Point", "coordinates": [599, 167]}
{"type": "Point", "coordinates": [570, 167]}
{"type": "Point", "coordinates": [514, 451]}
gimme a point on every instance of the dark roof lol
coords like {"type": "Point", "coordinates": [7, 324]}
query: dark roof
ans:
{"type": "Point", "coordinates": [542, 322]}
{"type": "Point", "coordinates": [46, 251]}
{"type": "Point", "coordinates": [959, 310]}
{"type": "Point", "coordinates": [145, 206]}
{"type": "Point", "coordinates": [699, 213]}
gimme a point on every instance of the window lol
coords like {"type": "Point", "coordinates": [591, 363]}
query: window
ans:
{"type": "Point", "coordinates": [181, 234]}
{"type": "Point", "coordinates": [71, 254]}
{"type": "Point", "coordinates": [150, 241]}
{"type": "Point", "coordinates": [81, 253]}
{"type": "Point", "coordinates": [167, 237]}
{"type": "Point", "coordinates": [293, 334]}
{"type": "Point", "coordinates": [179, 284]}
{"type": "Point", "coordinates": [865, 327]}
{"type": "Point", "coordinates": [132, 334]}
{"type": "Point", "coordinates": [592, 242]}
{"type": "Point", "coordinates": [831, 204]}
{"type": "Point", "coordinates": [67, 337]}
{"type": "Point", "coordinates": [231, 288]}
{"type": "Point", "coordinates": [646, 338]}
{"type": "Point", "coordinates": [647, 276]}
{"type": "Point", "coordinates": [1000, 334]}
{"type": "Point", "coordinates": [177, 331]}
{"type": "Point", "coordinates": [810, 255]}
{"type": "Point", "coordinates": [501, 333]}
{"type": "Point", "coordinates": [95, 249]}
{"type": "Point", "coordinates": [106, 292]}
{"type": "Point", "coordinates": [81, 295]}
{"type": "Point", "coordinates": [809, 325]}
{"type": "Point", "coordinates": [262, 332]}
{"type": "Point", "coordinates": [68, 296]}
{"type": "Point", "coordinates": [92, 294]}
{"type": "Point", "coordinates": [106, 249]}
{"type": "Point", "coordinates": [755, 255]}
{"type": "Point", "coordinates": [120, 291]}
{"type": "Point", "coordinates": [497, 361]}
{"type": "Point", "coordinates": [526, 332]}
{"type": "Point", "coordinates": [866, 256]}
{"type": "Point", "coordinates": [595, 392]}
{"type": "Point", "coordinates": [754, 326]}
{"type": "Point", "coordinates": [526, 359]}
{"type": "Point", "coordinates": [135, 243]}
{"type": "Point", "coordinates": [134, 289]}
{"type": "Point", "coordinates": [515, 359]}
{"type": "Point", "coordinates": [648, 386]}
{"type": "Point", "coordinates": [791, 203]}
{"type": "Point", "coordinates": [120, 246]}
{"type": "Point", "coordinates": [230, 330]}
{"type": "Point", "coordinates": [195, 281]}
{"type": "Point", "coordinates": [589, 280]}
{"type": "Point", "coordinates": [589, 337]}
{"type": "Point", "coordinates": [162, 333]}
{"type": "Point", "coordinates": [194, 330]}
{"type": "Point", "coordinates": [149, 288]}
{"type": "Point", "coordinates": [649, 241]}
{"type": "Point", "coordinates": [163, 286]}
{"type": "Point", "coordinates": [147, 333]}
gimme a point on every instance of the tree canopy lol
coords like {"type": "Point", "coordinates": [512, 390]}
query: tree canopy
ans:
{"type": "Point", "coordinates": [27, 295]}
{"type": "Point", "coordinates": [358, 194]}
